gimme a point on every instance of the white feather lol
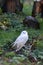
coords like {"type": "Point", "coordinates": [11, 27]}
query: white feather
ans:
{"type": "Point", "coordinates": [21, 40]}
{"type": "Point", "coordinates": [37, 0]}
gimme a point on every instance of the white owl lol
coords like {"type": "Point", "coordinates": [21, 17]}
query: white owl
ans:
{"type": "Point", "coordinates": [20, 41]}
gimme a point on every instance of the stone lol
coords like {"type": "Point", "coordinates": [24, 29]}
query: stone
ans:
{"type": "Point", "coordinates": [32, 22]}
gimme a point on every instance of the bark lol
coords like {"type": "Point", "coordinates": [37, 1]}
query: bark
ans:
{"type": "Point", "coordinates": [11, 5]}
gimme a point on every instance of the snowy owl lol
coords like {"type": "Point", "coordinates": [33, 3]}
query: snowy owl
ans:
{"type": "Point", "coordinates": [20, 41]}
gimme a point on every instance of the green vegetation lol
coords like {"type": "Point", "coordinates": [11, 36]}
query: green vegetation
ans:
{"type": "Point", "coordinates": [12, 33]}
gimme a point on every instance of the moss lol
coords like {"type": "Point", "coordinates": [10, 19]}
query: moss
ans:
{"type": "Point", "coordinates": [10, 54]}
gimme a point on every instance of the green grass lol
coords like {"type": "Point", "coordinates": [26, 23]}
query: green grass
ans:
{"type": "Point", "coordinates": [13, 33]}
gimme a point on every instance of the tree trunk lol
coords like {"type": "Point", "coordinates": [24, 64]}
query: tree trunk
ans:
{"type": "Point", "coordinates": [37, 8]}
{"type": "Point", "coordinates": [11, 6]}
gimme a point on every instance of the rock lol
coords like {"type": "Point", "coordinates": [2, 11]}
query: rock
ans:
{"type": "Point", "coordinates": [32, 22]}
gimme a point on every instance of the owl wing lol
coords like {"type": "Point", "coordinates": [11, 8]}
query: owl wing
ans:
{"type": "Point", "coordinates": [20, 41]}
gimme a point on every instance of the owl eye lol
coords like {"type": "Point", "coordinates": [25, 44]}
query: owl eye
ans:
{"type": "Point", "coordinates": [24, 32]}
